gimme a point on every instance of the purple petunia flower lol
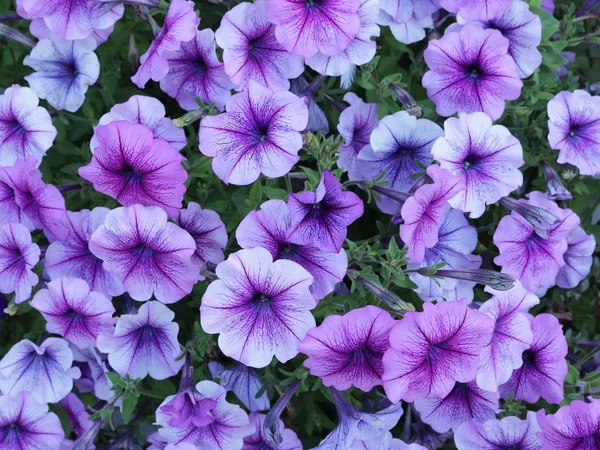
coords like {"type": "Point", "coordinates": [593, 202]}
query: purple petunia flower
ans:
{"type": "Point", "coordinates": [77, 415]}
{"type": "Point", "coordinates": [574, 129]}
{"type": "Point", "coordinates": [533, 260]}
{"type": "Point", "coordinates": [73, 311]}
{"type": "Point", "coordinates": [257, 441]}
{"type": "Point", "coordinates": [43, 370]}
{"type": "Point", "coordinates": [424, 211]}
{"type": "Point", "coordinates": [146, 111]}
{"type": "Point", "coordinates": [18, 257]}
{"type": "Point", "coordinates": [251, 51]}
{"type": "Point", "coordinates": [305, 28]}
{"type": "Point", "coordinates": [405, 10]}
{"type": "Point", "coordinates": [195, 71]}
{"type": "Point", "coordinates": [431, 351]}
{"type": "Point", "coordinates": [476, 9]}
{"type": "Point", "coordinates": [134, 168]}
{"type": "Point", "coordinates": [260, 308]}
{"type": "Point", "coordinates": [181, 24]}
{"type": "Point", "coordinates": [400, 146]}
{"type": "Point", "coordinates": [270, 228]}
{"type": "Point", "coordinates": [146, 253]}
{"type": "Point", "coordinates": [317, 120]}
{"type": "Point", "coordinates": [346, 350]}
{"type": "Point", "coordinates": [574, 426]}
{"type": "Point", "coordinates": [406, 31]}
{"type": "Point", "coordinates": [63, 71]}
{"type": "Point", "coordinates": [544, 366]}
{"type": "Point", "coordinates": [548, 5]}
{"type": "Point", "coordinates": [511, 337]}
{"type": "Point", "coordinates": [26, 424]}
{"type": "Point", "coordinates": [356, 124]}
{"type": "Point", "coordinates": [93, 367]}
{"type": "Point", "coordinates": [485, 157]}
{"type": "Point", "coordinates": [496, 434]}
{"type": "Point", "coordinates": [244, 382]}
{"type": "Point", "coordinates": [578, 259]}
{"type": "Point", "coordinates": [465, 402]}
{"type": "Point", "coordinates": [259, 133]}
{"type": "Point", "coordinates": [323, 216]}
{"type": "Point", "coordinates": [144, 344]}
{"type": "Point", "coordinates": [471, 71]}
{"type": "Point", "coordinates": [25, 128]}
{"type": "Point", "coordinates": [384, 442]}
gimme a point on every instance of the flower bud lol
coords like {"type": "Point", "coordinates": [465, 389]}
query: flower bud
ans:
{"type": "Point", "coordinates": [556, 190]}
{"type": "Point", "coordinates": [496, 280]}
{"type": "Point", "coordinates": [539, 218]}
{"type": "Point", "coordinates": [407, 101]}
{"type": "Point", "coordinates": [271, 430]}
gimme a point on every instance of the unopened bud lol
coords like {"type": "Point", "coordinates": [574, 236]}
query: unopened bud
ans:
{"type": "Point", "coordinates": [16, 36]}
{"type": "Point", "coordinates": [539, 218]}
{"type": "Point", "coordinates": [271, 429]}
{"type": "Point", "coordinates": [389, 298]}
{"type": "Point", "coordinates": [556, 190]}
{"type": "Point", "coordinates": [407, 101]}
{"type": "Point", "coordinates": [496, 280]}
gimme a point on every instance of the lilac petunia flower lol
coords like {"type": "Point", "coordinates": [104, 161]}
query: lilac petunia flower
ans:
{"type": "Point", "coordinates": [322, 217]}
{"type": "Point", "coordinates": [181, 24]}
{"type": "Point", "coordinates": [78, 417]}
{"type": "Point", "coordinates": [485, 157]}
{"type": "Point", "coordinates": [405, 10]}
{"type": "Point", "coordinates": [544, 366]}
{"type": "Point", "coordinates": [270, 227]}
{"type": "Point", "coordinates": [26, 424]}
{"type": "Point", "coordinates": [73, 311]}
{"type": "Point", "coordinates": [533, 260]}
{"type": "Point", "coordinates": [496, 434]}
{"type": "Point", "coordinates": [578, 259]}
{"type": "Point", "coordinates": [257, 441]}
{"type": "Point", "coordinates": [260, 308]}
{"type": "Point", "coordinates": [317, 120]}
{"type": "Point", "coordinates": [207, 229]}
{"type": "Point", "coordinates": [548, 5]}
{"type": "Point", "coordinates": [384, 442]}
{"type": "Point", "coordinates": [146, 111]}
{"type": "Point", "coordinates": [476, 9]}
{"type": "Point", "coordinates": [400, 145]}
{"type": "Point", "coordinates": [134, 168]}
{"type": "Point", "coordinates": [18, 257]}
{"type": "Point", "coordinates": [574, 129]}
{"type": "Point", "coordinates": [251, 52]}
{"type": "Point", "coordinates": [25, 128]}
{"type": "Point", "coordinates": [406, 31]}
{"type": "Point", "coordinates": [356, 124]}
{"type": "Point", "coordinates": [43, 370]}
{"type": "Point", "coordinates": [431, 351]}
{"type": "Point", "coordinates": [144, 343]}
{"type": "Point", "coordinates": [259, 133]}
{"type": "Point", "coordinates": [71, 257]}
{"type": "Point", "coordinates": [471, 71]}
{"type": "Point", "coordinates": [305, 28]}
{"type": "Point", "coordinates": [346, 350]}
{"type": "Point", "coordinates": [465, 402]}
{"type": "Point", "coordinates": [147, 254]}
{"type": "Point", "coordinates": [244, 382]}
{"type": "Point", "coordinates": [63, 71]}
{"type": "Point", "coordinates": [195, 71]}
{"type": "Point", "coordinates": [424, 211]}
{"type": "Point", "coordinates": [574, 426]}
{"type": "Point", "coordinates": [512, 335]}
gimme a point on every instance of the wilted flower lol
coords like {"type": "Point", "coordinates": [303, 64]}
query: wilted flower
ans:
{"type": "Point", "coordinates": [257, 440]}
{"type": "Point", "coordinates": [272, 427]}
{"type": "Point", "coordinates": [505, 433]}
{"type": "Point", "coordinates": [18, 257]}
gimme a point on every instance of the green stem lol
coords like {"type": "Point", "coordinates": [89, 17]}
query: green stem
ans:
{"type": "Point", "coordinates": [586, 358]}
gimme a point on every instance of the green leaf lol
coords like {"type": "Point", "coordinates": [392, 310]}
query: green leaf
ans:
{"type": "Point", "coordinates": [275, 193]}
{"type": "Point", "coordinates": [129, 404]}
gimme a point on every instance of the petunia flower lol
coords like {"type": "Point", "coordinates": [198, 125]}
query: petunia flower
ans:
{"type": "Point", "coordinates": [73, 311]}
{"type": "Point", "coordinates": [181, 24]}
{"type": "Point", "coordinates": [317, 120]}
{"type": "Point", "coordinates": [256, 441]}
{"type": "Point", "coordinates": [18, 257]}
{"type": "Point", "coordinates": [77, 415]}
{"type": "Point", "coordinates": [424, 211]}
{"type": "Point", "coordinates": [146, 253]}
{"type": "Point", "coordinates": [43, 370]}
{"type": "Point", "coordinates": [574, 129]}
{"type": "Point", "coordinates": [431, 351]}
{"type": "Point", "coordinates": [134, 168]}
{"type": "Point", "coordinates": [63, 71]}
{"type": "Point", "coordinates": [322, 217]}
{"type": "Point", "coordinates": [355, 125]}
{"type": "Point", "coordinates": [305, 28]}
{"type": "Point", "coordinates": [465, 402]}
{"type": "Point", "coordinates": [259, 133]}
{"type": "Point", "coordinates": [270, 227]}
{"type": "Point", "coordinates": [495, 434]}
{"type": "Point", "coordinates": [146, 111]}
{"type": "Point", "coordinates": [534, 260]}
{"type": "Point", "coordinates": [406, 31]}
{"type": "Point", "coordinates": [259, 308]}
{"type": "Point", "coordinates": [405, 10]}
{"type": "Point", "coordinates": [544, 366]}
{"type": "Point", "coordinates": [195, 71]}
{"type": "Point", "coordinates": [244, 382]}
{"type": "Point", "coordinates": [471, 71]}
{"type": "Point", "coordinates": [93, 367]}
{"type": "Point", "coordinates": [25, 128]}
{"type": "Point", "coordinates": [476, 9]}
{"type": "Point", "coordinates": [485, 157]}
{"type": "Point", "coordinates": [574, 426]}
{"type": "Point", "coordinates": [400, 146]}
{"type": "Point", "coordinates": [26, 423]}
{"type": "Point", "coordinates": [578, 259]}
{"type": "Point", "coordinates": [346, 350]}
{"type": "Point", "coordinates": [251, 51]}
{"type": "Point", "coordinates": [39, 28]}
{"type": "Point", "coordinates": [144, 344]}
{"type": "Point", "coordinates": [384, 442]}
{"type": "Point", "coordinates": [512, 335]}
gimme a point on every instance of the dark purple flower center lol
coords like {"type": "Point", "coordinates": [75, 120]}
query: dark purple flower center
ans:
{"type": "Point", "coordinates": [529, 358]}
{"type": "Point", "coordinates": [312, 3]}
{"type": "Point", "coordinates": [286, 250]}
{"type": "Point", "coordinates": [511, 447]}
{"type": "Point", "coordinates": [131, 174]}
{"type": "Point", "coordinates": [470, 160]}
{"type": "Point", "coordinates": [200, 65]}
{"type": "Point", "coordinates": [473, 71]}
{"type": "Point", "coordinates": [261, 298]}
